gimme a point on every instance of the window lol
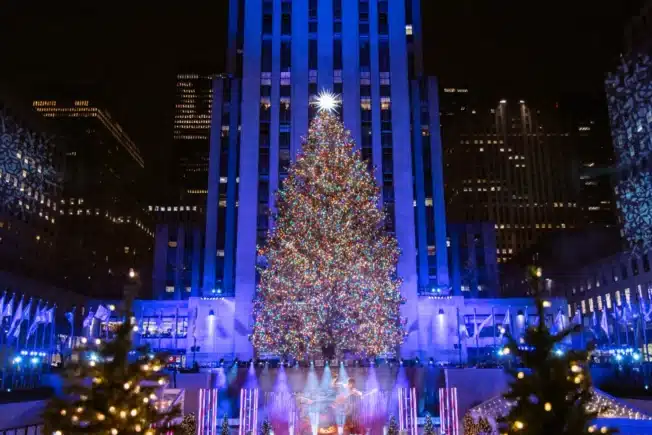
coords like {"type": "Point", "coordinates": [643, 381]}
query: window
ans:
{"type": "Point", "coordinates": [163, 326]}
{"type": "Point", "coordinates": [172, 244]}
{"type": "Point", "coordinates": [599, 299]}
{"type": "Point", "coordinates": [591, 304]}
{"type": "Point", "coordinates": [627, 296]}
{"type": "Point", "coordinates": [408, 29]}
{"type": "Point", "coordinates": [169, 289]}
{"type": "Point", "coordinates": [583, 307]}
{"type": "Point", "coordinates": [607, 298]}
{"type": "Point", "coordinates": [618, 300]}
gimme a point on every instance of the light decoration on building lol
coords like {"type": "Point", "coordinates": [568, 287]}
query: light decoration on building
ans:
{"type": "Point", "coordinates": [629, 99]}
{"type": "Point", "coordinates": [28, 179]}
{"type": "Point", "coordinates": [605, 405]}
{"type": "Point", "coordinates": [635, 204]}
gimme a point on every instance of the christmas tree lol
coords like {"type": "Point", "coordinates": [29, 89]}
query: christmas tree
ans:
{"type": "Point", "coordinates": [392, 429]}
{"type": "Point", "coordinates": [428, 427]}
{"type": "Point", "coordinates": [551, 393]}
{"type": "Point", "coordinates": [481, 427]}
{"type": "Point", "coordinates": [330, 281]}
{"type": "Point", "coordinates": [225, 426]}
{"type": "Point", "coordinates": [189, 424]}
{"type": "Point", "coordinates": [266, 428]}
{"type": "Point", "coordinates": [112, 390]}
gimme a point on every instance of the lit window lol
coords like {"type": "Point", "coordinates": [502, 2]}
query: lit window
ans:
{"type": "Point", "coordinates": [618, 300]}
{"type": "Point", "coordinates": [583, 307]}
{"type": "Point", "coordinates": [599, 299]}
{"type": "Point", "coordinates": [169, 288]}
{"type": "Point", "coordinates": [408, 29]}
{"type": "Point", "coordinates": [627, 296]}
{"type": "Point", "coordinates": [188, 289]}
{"type": "Point", "coordinates": [607, 298]}
{"type": "Point", "coordinates": [172, 244]}
{"type": "Point", "coordinates": [591, 304]}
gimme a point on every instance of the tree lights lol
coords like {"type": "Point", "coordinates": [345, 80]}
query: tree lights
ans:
{"type": "Point", "coordinates": [329, 283]}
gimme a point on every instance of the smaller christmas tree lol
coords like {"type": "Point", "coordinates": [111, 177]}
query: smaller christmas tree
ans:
{"type": "Point", "coordinates": [480, 427]}
{"type": "Point", "coordinates": [225, 426]}
{"type": "Point", "coordinates": [266, 428]}
{"type": "Point", "coordinates": [428, 427]}
{"type": "Point", "coordinates": [551, 393]}
{"type": "Point", "coordinates": [189, 424]}
{"type": "Point", "coordinates": [392, 429]}
{"type": "Point", "coordinates": [111, 391]}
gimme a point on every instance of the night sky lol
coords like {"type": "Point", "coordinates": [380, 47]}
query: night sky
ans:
{"type": "Point", "coordinates": [131, 51]}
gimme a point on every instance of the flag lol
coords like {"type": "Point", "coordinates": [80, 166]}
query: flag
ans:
{"type": "Point", "coordinates": [2, 302]}
{"type": "Point", "coordinates": [464, 331]}
{"type": "Point", "coordinates": [604, 325]}
{"type": "Point", "coordinates": [102, 313]}
{"type": "Point", "coordinates": [507, 322]}
{"type": "Point", "coordinates": [48, 316]}
{"type": "Point", "coordinates": [484, 323]}
{"type": "Point", "coordinates": [88, 321]}
{"type": "Point", "coordinates": [577, 319]}
{"type": "Point", "coordinates": [17, 317]}
{"type": "Point", "coordinates": [8, 309]}
{"type": "Point", "coordinates": [560, 320]}
{"type": "Point", "coordinates": [38, 319]}
{"type": "Point", "coordinates": [27, 311]}
{"type": "Point", "coordinates": [70, 316]}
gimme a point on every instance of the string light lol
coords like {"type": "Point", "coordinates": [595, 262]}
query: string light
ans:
{"type": "Point", "coordinates": [127, 385]}
{"type": "Point", "coordinates": [520, 375]}
{"type": "Point", "coordinates": [328, 256]}
{"type": "Point", "coordinates": [134, 412]}
{"type": "Point", "coordinates": [114, 431]}
{"type": "Point", "coordinates": [63, 412]}
{"type": "Point", "coordinates": [547, 407]}
{"type": "Point", "coordinates": [100, 416]}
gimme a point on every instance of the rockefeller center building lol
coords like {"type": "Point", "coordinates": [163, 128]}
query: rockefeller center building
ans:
{"type": "Point", "coordinates": [280, 55]}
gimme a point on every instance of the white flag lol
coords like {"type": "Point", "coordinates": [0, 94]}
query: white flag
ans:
{"type": "Point", "coordinates": [604, 325]}
{"type": "Point", "coordinates": [88, 320]}
{"type": "Point", "coordinates": [484, 323]}
{"type": "Point", "coordinates": [8, 309]}
{"type": "Point", "coordinates": [102, 313]}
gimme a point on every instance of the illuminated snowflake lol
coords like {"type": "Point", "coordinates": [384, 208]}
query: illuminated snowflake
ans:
{"type": "Point", "coordinates": [635, 204]}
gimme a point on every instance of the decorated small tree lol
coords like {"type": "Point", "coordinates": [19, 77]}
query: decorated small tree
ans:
{"type": "Point", "coordinates": [392, 429]}
{"type": "Point", "coordinates": [114, 389]}
{"type": "Point", "coordinates": [225, 426]}
{"type": "Point", "coordinates": [266, 428]}
{"type": "Point", "coordinates": [189, 424]}
{"type": "Point", "coordinates": [551, 392]}
{"type": "Point", "coordinates": [428, 427]}
{"type": "Point", "coordinates": [479, 427]}
{"type": "Point", "coordinates": [328, 282]}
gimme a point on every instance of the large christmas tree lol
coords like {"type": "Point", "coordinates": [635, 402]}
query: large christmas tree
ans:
{"type": "Point", "coordinates": [329, 284]}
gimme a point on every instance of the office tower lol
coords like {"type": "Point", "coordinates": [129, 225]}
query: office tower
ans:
{"type": "Point", "coordinates": [511, 164]}
{"type": "Point", "coordinates": [101, 206]}
{"type": "Point", "coordinates": [192, 123]}
{"type": "Point", "coordinates": [280, 55]}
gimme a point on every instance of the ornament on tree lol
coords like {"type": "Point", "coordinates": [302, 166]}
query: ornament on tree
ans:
{"type": "Point", "coordinates": [329, 284]}
{"type": "Point", "coordinates": [110, 391]}
{"type": "Point", "coordinates": [551, 392]}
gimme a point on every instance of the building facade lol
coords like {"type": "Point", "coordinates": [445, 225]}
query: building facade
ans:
{"type": "Point", "coordinates": [192, 125]}
{"type": "Point", "coordinates": [512, 164]}
{"type": "Point", "coordinates": [100, 208]}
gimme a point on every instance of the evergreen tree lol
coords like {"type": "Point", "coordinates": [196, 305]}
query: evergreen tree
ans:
{"type": "Point", "coordinates": [189, 424]}
{"type": "Point", "coordinates": [330, 281]}
{"type": "Point", "coordinates": [225, 426]}
{"type": "Point", "coordinates": [481, 427]}
{"type": "Point", "coordinates": [392, 429]}
{"type": "Point", "coordinates": [266, 429]}
{"type": "Point", "coordinates": [428, 427]}
{"type": "Point", "coordinates": [111, 392]}
{"type": "Point", "coordinates": [551, 393]}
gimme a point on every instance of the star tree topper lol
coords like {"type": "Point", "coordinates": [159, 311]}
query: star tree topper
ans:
{"type": "Point", "coordinates": [327, 101]}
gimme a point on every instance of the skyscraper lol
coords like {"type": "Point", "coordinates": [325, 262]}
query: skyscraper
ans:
{"type": "Point", "coordinates": [192, 124]}
{"type": "Point", "coordinates": [101, 207]}
{"type": "Point", "coordinates": [511, 164]}
{"type": "Point", "coordinates": [280, 55]}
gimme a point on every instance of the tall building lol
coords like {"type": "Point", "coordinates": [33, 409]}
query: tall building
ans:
{"type": "Point", "coordinates": [511, 164]}
{"type": "Point", "coordinates": [101, 206]}
{"type": "Point", "coordinates": [280, 54]}
{"type": "Point", "coordinates": [192, 124]}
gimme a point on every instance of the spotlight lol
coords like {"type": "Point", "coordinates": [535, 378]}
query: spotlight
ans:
{"type": "Point", "coordinates": [441, 311]}
{"type": "Point", "coordinates": [18, 360]}
{"type": "Point", "coordinates": [431, 361]}
{"type": "Point", "coordinates": [619, 357]}
{"type": "Point", "coordinates": [559, 352]}
{"type": "Point", "coordinates": [211, 313]}
{"type": "Point", "coordinates": [401, 361]}
{"type": "Point", "coordinates": [219, 291]}
{"type": "Point", "coordinates": [221, 362]}
{"type": "Point", "coordinates": [636, 357]}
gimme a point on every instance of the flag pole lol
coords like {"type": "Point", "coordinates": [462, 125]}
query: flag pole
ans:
{"type": "Point", "coordinates": [493, 320]}
{"type": "Point", "coordinates": [475, 332]}
{"type": "Point", "coordinates": [459, 338]}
